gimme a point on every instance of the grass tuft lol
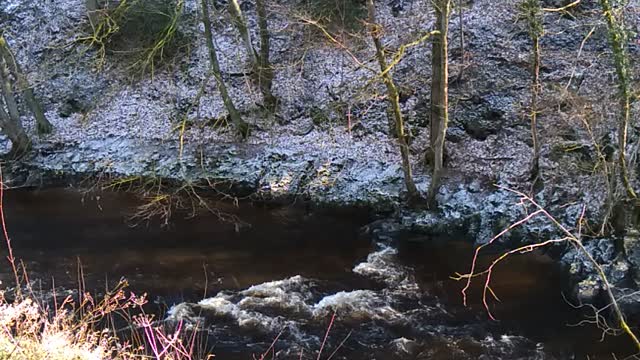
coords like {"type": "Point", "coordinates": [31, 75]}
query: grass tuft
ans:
{"type": "Point", "coordinates": [145, 31]}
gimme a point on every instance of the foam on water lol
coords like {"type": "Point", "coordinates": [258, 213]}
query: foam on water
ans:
{"type": "Point", "coordinates": [376, 316]}
{"type": "Point", "coordinates": [382, 265]}
{"type": "Point", "coordinates": [357, 305]}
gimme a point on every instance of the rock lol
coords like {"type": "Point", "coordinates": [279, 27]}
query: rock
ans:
{"type": "Point", "coordinates": [455, 134]}
{"type": "Point", "coordinates": [397, 6]}
{"type": "Point", "coordinates": [72, 106]}
{"type": "Point", "coordinates": [583, 273]}
{"type": "Point", "coordinates": [585, 152]}
{"type": "Point", "coordinates": [629, 302]}
{"type": "Point", "coordinates": [485, 116]}
{"type": "Point", "coordinates": [385, 231]}
{"type": "Point", "coordinates": [631, 244]}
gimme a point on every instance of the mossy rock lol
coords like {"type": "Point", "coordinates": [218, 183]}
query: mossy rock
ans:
{"type": "Point", "coordinates": [319, 116]}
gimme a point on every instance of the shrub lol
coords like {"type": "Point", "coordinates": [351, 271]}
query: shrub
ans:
{"type": "Point", "coordinates": [344, 14]}
{"type": "Point", "coordinates": [146, 29]}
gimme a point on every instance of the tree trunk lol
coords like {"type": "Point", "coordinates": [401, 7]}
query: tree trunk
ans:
{"type": "Point", "coordinates": [42, 124]}
{"type": "Point", "coordinates": [461, 26]}
{"type": "Point", "coordinates": [265, 70]}
{"type": "Point", "coordinates": [241, 126]}
{"type": "Point", "coordinates": [241, 24]}
{"type": "Point", "coordinates": [20, 142]}
{"type": "Point", "coordinates": [93, 7]}
{"type": "Point", "coordinates": [535, 87]}
{"type": "Point", "coordinates": [394, 101]}
{"type": "Point", "coordinates": [617, 39]}
{"type": "Point", "coordinates": [439, 95]}
{"type": "Point", "coordinates": [532, 13]}
{"type": "Point", "coordinates": [10, 119]}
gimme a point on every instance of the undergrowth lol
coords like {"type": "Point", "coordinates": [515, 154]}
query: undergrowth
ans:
{"type": "Point", "coordinates": [337, 14]}
{"type": "Point", "coordinates": [83, 328]}
{"type": "Point", "coordinates": [146, 32]}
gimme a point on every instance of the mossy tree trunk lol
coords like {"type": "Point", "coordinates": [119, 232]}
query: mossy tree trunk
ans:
{"type": "Point", "coordinates": [618, 42]}
{"type": "Point", "coordinates": [439, 96]}
{"type": "Point", "coordinates": [394, 101]}
{"type": "Point", "coordinates": [43, 125]}
{"type": "Point", "coordinates": [265, 70]}
{"type": "Point", "coordinates": [532, 13]}
{"type": "Point", "coordinates": [10, 118]}
{"type": "Point", "coordinates": [241, 126]}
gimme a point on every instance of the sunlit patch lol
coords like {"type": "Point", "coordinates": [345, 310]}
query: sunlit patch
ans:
{"type": "Point", "coordinates": [282, 185]}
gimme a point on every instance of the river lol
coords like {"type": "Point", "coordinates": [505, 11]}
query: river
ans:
{"type": "Point", "coordinates": [286, 270]}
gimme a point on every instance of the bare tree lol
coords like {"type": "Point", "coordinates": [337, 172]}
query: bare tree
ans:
{"type": "Point", "coordinates": [260, 64]}
{"type": "Point", "coordinates": [42, 124]}
{"type": "Point", "coordinates": [241, 126]}
{"type": "Point", "coordinates": [265, 70]}
{"type": "Point", "coordinates": [394, 101]}
{"type": "Point", "coordinates": [439, 96]}
{"type": "Point", "coordinates": [240, 23]}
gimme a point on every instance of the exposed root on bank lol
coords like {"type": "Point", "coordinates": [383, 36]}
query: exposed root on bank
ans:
{"type": "Point", "coordinates": [161, 200]}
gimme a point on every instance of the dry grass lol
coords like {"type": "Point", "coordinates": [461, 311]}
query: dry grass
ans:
{"type": "Point", "coordinates": [144, 31]}
{"type": "Point", "coordinates": [28, 330]}
{"type": "Point", "coordinates": [83, 329]}
{"type": "Point", "coordinates": [27, 333]}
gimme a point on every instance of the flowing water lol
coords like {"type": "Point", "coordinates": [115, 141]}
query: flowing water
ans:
{"type": "Point", "coordinates": [286, 274]}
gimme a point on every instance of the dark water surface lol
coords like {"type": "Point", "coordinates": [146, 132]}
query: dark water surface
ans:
{"type": "Point", "coordinates": [56, 230]}
{"type": "Point", "coordinates": [316, 264]}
